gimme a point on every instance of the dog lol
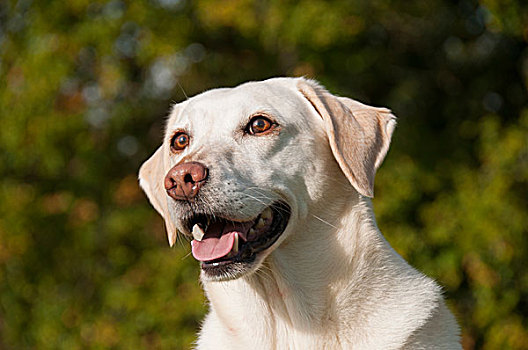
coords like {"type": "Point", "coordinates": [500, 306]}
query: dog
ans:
{"type": "Point", "coordinates": [272, 180]}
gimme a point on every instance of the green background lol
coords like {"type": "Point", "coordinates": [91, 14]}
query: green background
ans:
{"type": "Point", "coordinates": [84, 90]}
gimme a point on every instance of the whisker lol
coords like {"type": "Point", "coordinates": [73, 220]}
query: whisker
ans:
{"type": "Point", "coordinates": [323, 221]}
{"type": "Point", "coordinates": [255, 198]}
{"type": "Point", "coordinates": [186, 256]}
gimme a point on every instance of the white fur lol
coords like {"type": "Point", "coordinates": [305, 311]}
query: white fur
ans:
{"type": "Point", "coordinates": [331, 281]}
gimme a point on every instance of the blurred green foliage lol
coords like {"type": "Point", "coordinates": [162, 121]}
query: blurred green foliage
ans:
{"type": "Point", "coordinates": [85, 85]}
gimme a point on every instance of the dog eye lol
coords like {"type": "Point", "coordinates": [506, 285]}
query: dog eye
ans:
{"type": "Point", "coordinates": [179, 141]}
{"type": "Point", "coordinates": [259, 125]}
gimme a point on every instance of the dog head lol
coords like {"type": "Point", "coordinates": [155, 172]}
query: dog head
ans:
{"type": "Point", "coordinates": [239, 168]}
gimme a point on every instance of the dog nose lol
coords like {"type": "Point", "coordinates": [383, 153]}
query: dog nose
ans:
{"type": "Point", "coordinates": [183, 181]}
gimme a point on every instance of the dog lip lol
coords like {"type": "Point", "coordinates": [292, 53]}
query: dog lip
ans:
{"type": "Point", "coordinates": [205, 220]}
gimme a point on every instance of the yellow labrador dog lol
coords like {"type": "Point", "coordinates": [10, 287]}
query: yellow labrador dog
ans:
{"type": "Point", "coordinates": [272, 180]}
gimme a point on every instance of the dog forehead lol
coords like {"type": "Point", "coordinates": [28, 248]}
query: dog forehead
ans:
{"type": "Point", "coordinates": [225, 108]}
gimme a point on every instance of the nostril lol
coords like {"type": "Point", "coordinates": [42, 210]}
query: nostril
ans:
{"type": "Point", "coordinates": [171, 184]}
{"type": "Point", "coordinates": [188, 178]}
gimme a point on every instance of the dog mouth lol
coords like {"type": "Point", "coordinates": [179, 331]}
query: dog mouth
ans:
{"type": "Point", "coordinates": [219, 242]}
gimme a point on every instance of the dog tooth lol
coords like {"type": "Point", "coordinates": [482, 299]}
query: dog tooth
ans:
{"type": "Point", "coordinates": [197, 232]}
{"type": "Point", "coordinates": [260, 223]}
{"type": "Point", "coordinates": [251, 233]}
{"type": "Point", "coordinates": [266, 214]}
{"type": "Point", "coordinates": [235, 245]}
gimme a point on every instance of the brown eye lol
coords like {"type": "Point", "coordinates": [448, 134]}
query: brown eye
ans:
{"type": "Point", "coordinates": [259, 125]}
{"type": "Point", "coordinates": [179, 141]}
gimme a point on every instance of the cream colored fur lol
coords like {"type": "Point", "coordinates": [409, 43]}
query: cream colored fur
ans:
{"type": "Point", "coordinates": [331, 281]}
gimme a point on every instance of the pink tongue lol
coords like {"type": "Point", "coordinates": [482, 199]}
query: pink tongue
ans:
{"type": "Point", "coordinates": [219, 239]}
{"type": "Point", "coordinates": [211, 248]}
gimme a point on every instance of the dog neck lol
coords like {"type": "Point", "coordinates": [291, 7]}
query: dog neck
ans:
{"type": "Point", "coordinates": [337, 272]}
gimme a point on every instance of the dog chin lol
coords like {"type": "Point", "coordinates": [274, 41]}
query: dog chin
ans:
{"type": "Point", "coordinates": [234, 270]}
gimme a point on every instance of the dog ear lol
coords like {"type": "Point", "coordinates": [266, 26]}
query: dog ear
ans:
{"type": "Point", "coordinates": [359, 135]}
{"type": "Point", "coordinates": [151, 177]}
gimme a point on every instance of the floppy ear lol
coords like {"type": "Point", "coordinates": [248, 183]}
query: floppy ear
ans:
{"type": "Point", "coordinates": [359, 135]}
{"type": "Point", "coordinates": [151, 177]}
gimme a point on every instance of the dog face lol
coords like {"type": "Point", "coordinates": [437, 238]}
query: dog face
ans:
{"type": "Point", "coordinates": [239, 168]}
